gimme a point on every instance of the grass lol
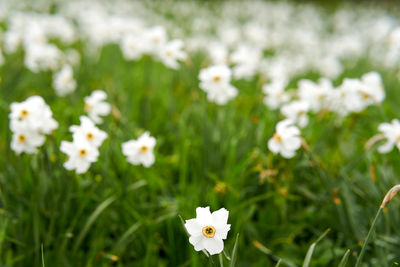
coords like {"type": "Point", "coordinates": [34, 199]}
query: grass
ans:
{"type": "Point", "coordinates": [123, 215]}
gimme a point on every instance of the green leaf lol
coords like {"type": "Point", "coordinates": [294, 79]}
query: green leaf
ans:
{"type": "Point", "coordinates": [234, 252]}
{"type": "Point", "coordinates": [310, 251]}
{"type": "Point", "coordinates": [345, 258]}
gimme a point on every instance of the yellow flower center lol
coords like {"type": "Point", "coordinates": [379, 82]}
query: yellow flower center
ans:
{"type": "Point", "coordinates": [277, 137]}
{"type": "Point", "coordinates": [88, 107]}
{"type": "Point", "coordinates": [21, 138]}
{"type": "Point", "coordinates": [208, 231]}
{"type": "Point", "coordinates": [168, 53]}
{"type": "Point", "coordinates": [82, 152]}
{"type": "Point", "coordinates": [217, 79]}
{"type": "Point", "coordinates": [89, 136]}
{"type": "Point", "coordinates": [365, 95]}
{"type": "Point", "coordinates": [24, 113]}
{"type": "Point", "coordinates": [398, 138]}
{"type": "Point", "coordinates": [143, 149]}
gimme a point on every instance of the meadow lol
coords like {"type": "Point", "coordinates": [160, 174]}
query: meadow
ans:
{"type": "Point", "coordinates": [210, 150]}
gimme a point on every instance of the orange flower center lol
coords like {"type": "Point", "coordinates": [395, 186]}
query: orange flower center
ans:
{"type": "Point", "coordinates": [217, 79]}
{"type": "Point", "coordinates": [89, 136]}
{"type": "Point", "coordinates": [208, 231]}
{"type": "Point", "coordinates": [88, 106]}
{"type": "Point", "coordinates": [277, 137]}
{"type": "Point", "coordinates": [24, 113]}
{"type": "Point", "coordinates": [82, 152]}
{"type": "Point", "coordinates": [143, 149]}
{"type": "Point", "coordinates": [21, 138]}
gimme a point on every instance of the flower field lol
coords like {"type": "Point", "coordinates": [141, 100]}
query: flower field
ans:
{"type": "Point", "coordinates": [199, 133]}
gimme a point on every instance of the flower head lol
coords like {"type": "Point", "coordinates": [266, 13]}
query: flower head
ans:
{"type": "Point", "coordinates": [63, 81]}
{"type": "Point", "coordinates": [80, 155]}
{"type": "Point", "coordinates": [96, 106]}
{"type": "Point", "coordinates": [140, 151]}
{"type": "Point", "coordinates": [391, 131]}
{"type": "Point", "coordinates": [286, 140]}
{"type": "Point", "coordinates": [208, 230]}
{"type": "Point", "coordinates": [88, 132]}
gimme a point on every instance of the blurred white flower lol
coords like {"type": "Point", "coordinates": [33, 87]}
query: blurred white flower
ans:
{"type": "Point", "coordinates": [314, 94]}
{"type": "Point", "coordinates": [171, 53]}
{"type": "Point", "coordinates": [296, 111]}
{"type": "Point", "coordinates": [96, 106]}
{"type": "Point", "coordinates": [286, 140]}
{"type": "Point", "coordinates": [140, 151]}
{"type": "Point", "coordinates": [132, 47]}
{"type": "Point", "coordinates": [391, 132]}
{"type": "Point", "coordinates": [63, 81]}
{"type": "Point", "coordinates": [208, 230]}
{"type": "Point", "coordinates": [80, 155]}
{"type": "Point", "coordinates": [87, 131]}
{"type": "Point", "coordinates": [215, 81]}
{"type": "Point", "coordinates": [275, 93]}
{"type": "Point", "coordinates": [155, 37]}
{"type": "Point", "coordinates": [374, 87]}
{"type": "Point", "coordinates": [25, 139]}
{"type": "Point", "coordinates": [42, 57]}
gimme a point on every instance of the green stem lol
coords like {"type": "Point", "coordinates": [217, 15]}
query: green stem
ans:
{"type": "Point", "coordinates": [368, 238]}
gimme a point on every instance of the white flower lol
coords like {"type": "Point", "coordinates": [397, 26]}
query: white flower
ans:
{"type": "Point", "coordinates": [95, 106]}
{"type": "Point", "coordinates": [63, 81]}
{"type": "Point", "coordinates": [140, 151]}
{"type": "Point", "coordinates": [275, 93]}
{"type": "Point", "coordinates": [286, 140]}
{"type": "Point", "coordinates": [132, 47]}
{"type": "Point", "coordinates": [25, 139]}
{"type": "Point", "coordinates": [42, 57]}
{"type": "Point", "coordinates": [215, 81]}
{"type": "Point", "coordinates": [88, 132]}
{"type": "Point", "coordinates": [171, 52]}
{"type": "Point", "coordinates": [29, 121]}
{"type": "Point", "coordinates": [80, 155]}
{"type": "Point", "coordinates": [297, 112]}
{"type": "Point", "coordinates": [391, 131]}
{"type": "Point", "coordinates": [314, 94]}
{"type": "Point", "coordinates": [208, 230]}
{"type": "Point", "coordinates": [34, 114]}
{"type": "Point", "coordinates": [155, 38]}
{"type": "Point", "coordinates": [374, 87]}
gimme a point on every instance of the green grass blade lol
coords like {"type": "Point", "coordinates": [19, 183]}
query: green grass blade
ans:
{"type": "Point", "coordinates": [310, 251]}
{"type": "Point", "coordinates": [345, 258]}
{"type": "Point", "coordinates": [123, 239]}
{"type": "Point", "coordinates": [234, 252]}
{"type": "Point", "coordinates": [92, 219]}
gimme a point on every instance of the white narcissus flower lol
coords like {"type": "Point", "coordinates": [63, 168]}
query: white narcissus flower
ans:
{"type": "Point", "coordinates": [63, 81]}
{"type": "Point", "coordinates": [132, 47]}
{"type": "Point", "coordinates": [140, 151]}
{"type": "Point", "coordinates": [296, 111]}
{"type": "Point", "coordinates": [391, 132]}
{"type": "Point", "coordinates": [96, 106]}
{"type": "Point", "coordinates": [25, 139]}
{"type": "Point", "coordinates": [80, 155]}
{"type": "Point", "coordinates": [208, 230]}
{"type": "Point", "coordinates": [286, 140]}
{"type": "Point", "coordinates": [275, 93]}
{"type": "Point", "coordinates": [88, 132]}
{"type": "Point", "coordinates": [215, 81]}
{"type": "Point", "coordinates": [171, 52]}
{"type": "Point", "coordinates": [374, 87]}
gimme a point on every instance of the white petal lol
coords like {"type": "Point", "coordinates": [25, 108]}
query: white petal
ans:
{"type": "Point", "coordinates": [213, 245]}
{"type": "Point", "coordinates": [220, 217]}
{"type": "Point", "coordinates": [203, 216]}
{"type": "Point", "coordinates": [386, 148]}
{"type": "Point", "coordinates": [193, 227]}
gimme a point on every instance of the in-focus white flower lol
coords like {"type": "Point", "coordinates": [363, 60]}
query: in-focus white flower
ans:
{"type": "Point", "coordinates": [63, 81]}
{"type": "Point", "coordinates": [208, 230]}
{"type": "Point", "coordinates": [296, 111]}
{"type": "Point", "coordinates": [275, 93]}
{"type": "Point", "coordinates": [286, 140]}
{"type": "Point", "coordinates": [391, 131]}
{"type": "Point", "coordinates": [215, 81]}
{"type": "Point", "coordinates": [80, 155]}
{"type": "Point", "coordinates": [140, 151]}
{"type": "Point", "coordinates": [88, 132]}
{"type": "Point", "coordinates": [171, 53]}
{"type": "Point", "coordinates": [96, 106]}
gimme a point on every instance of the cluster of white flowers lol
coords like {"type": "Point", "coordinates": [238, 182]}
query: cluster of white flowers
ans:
{"type": "Point", "coordinates": [140, 151]}
{"type": "Point", "coordinates": [30, 121]}
{"type": "Point", "coordinates": [216, 82]}
{"type": "Point", "coordinates": [87, 138]}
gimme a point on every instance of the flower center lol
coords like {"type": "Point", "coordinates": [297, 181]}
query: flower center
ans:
{"type": "Point", "coordinates": [89, 136]}
{"type": "Point", "coordinates": [398, 138]}
{"type": "Point", "coordinates": [82, 152]}
{"type": "Point", "coordinates": [21, 138]}
{"type": "Point", "coordinates": [24, 113]}
{"type": "Point", "coordinates": [365, 95]}
{"type": "Point", "coordinates": [217, 79]}
{"type": "Point", "coordinates": [277, 138]}
{"type": "Point", "coordinates": [168, 53]}
{"type": "Point", "coordinates": [208, 231]}
{"type": "Point", "coordinates": [88, 106]}
{"type": "Point", "coordinates": [143, 149]}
